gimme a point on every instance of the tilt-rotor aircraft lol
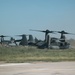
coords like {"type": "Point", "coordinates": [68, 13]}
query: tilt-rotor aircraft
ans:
{"type": "Point", "coordinates": [2, 38]}
{"type": "Point", "coordinates": [3, 41]}
{"type": "Point", "coordinates": [24, 41]}
{"type": "Point", "coordinates": [46, 42]}
{"type": "Point", "coordinates": [49, 42]}
{"type": "Point", "coordinates": [63, 44]}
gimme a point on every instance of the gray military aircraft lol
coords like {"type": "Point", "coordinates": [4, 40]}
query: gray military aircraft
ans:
{"type": "Point", "coordinates": [7, 42]}
{"type": "Point", "coordinates": [49, 42]}
{"type": "Point", "coordinates": [23, 41]}
{"type": "Point", "coordinates": [2, 38]}
{"type": "Point", "coordinates": [63, 44]}
{"type": "Point", "coordinates": [45, 43]}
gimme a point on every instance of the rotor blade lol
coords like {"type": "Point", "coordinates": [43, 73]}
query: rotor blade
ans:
{"type": "Point", "coordinates": [60, 32]}
{"type": "Point", "coordinates": [3, 36]}
{"type": "Point", "coordinates": [45, 31]}
{"type": "Point", "coordinates": [52, 32]}
{"type": "Point", "coordinates": [37, 30]}
{"type": "Point", "coordinates": [63, 32]}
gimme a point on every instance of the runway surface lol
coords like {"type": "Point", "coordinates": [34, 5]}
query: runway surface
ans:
{"type": "Point", "coordinates": [38, 68]}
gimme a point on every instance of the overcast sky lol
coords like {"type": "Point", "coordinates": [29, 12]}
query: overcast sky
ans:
{"type": "Point", "coordinates": [18, 16]}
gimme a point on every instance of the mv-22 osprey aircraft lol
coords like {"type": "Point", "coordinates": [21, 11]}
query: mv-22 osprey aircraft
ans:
{"type": "Point", "coordinates": [7, 42]}
{"type": "Point", "coordinates": [23, 41]}
{"type": "Point", "coordinates": [50, 42]}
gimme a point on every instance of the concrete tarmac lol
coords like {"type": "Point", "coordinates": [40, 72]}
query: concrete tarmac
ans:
{"type": "Point", "coordinates": [38, 68]}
